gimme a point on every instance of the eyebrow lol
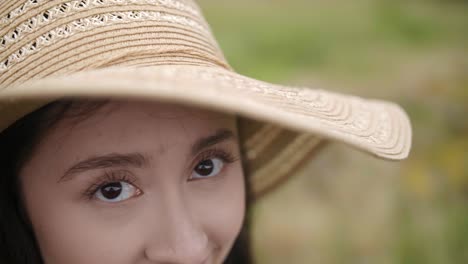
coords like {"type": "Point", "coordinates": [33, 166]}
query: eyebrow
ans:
{"type": "Point", "coordinates": [139, 160]}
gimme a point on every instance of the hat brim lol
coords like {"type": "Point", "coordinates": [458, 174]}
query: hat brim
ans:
{"type": "Point", "coordinates": [280, 127]}
{"type": "Point", "coordinates": [378, 127]}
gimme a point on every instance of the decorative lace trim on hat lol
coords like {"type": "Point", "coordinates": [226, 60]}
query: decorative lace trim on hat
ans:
{"type": "Point", "coordinates": [89, 23]}
{"type": "Point", "coordinates": [86, 4]}
{"type": "Point", "coordinates": [66, 9]}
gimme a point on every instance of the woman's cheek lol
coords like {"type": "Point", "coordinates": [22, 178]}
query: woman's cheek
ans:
{"type": "Point", "coordinates": [222, 210]}
{"type": "Point", "coordinates": [83, 233]}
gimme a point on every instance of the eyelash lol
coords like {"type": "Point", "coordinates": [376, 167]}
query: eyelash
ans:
{"type": "Point", "coordinates": [226, 156]}
{"type": "Point", "coordinates": [125, 176]}
{"type": "Point", "coordinates": [108, 177]}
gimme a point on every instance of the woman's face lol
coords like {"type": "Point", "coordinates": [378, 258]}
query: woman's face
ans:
{"type": "Point", "coordinates": [137, 182]}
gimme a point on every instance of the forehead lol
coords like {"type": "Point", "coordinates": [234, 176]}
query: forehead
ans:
{"type": "Point", "coordinates": [124, 125]}
{"type": "Point", "coordinates": [117, 113]}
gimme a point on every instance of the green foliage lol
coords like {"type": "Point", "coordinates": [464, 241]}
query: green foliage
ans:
{"type": "Point", "coordinates": [414, 52]}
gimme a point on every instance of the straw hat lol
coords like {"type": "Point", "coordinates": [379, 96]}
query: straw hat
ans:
{"type": "Point", "coordinates": [164, 50]}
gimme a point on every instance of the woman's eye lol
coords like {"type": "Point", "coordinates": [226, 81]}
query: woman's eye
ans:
{"type": "Point", "coordinates": [116, 191]}
{"type": "Point", "coordinates": [207, 168]}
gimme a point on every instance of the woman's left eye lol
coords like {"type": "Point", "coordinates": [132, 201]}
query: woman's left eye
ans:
{"type": "Point", "coordinates": [207, 168]}
{"type": "Point", "coordinates": [116, 191]}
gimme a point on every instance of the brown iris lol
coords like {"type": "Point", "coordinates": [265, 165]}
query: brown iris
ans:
{"type": "Point", "coordinates": [111, 190]}
{"type": "Point", "coordinates": [205, 167]}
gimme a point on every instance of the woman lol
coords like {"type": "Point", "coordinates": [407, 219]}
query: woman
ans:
{"type": "Point", "coordinates": [127, 138]}
{"type": "Point", "coordinates": [134, 181]}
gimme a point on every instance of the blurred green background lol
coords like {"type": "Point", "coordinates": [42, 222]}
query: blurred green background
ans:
{"type": "Point", "coordinates": [345, 206]}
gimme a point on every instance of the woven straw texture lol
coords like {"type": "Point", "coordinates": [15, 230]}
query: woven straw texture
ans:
{"type": "Point", "coordinates": [164, 50]}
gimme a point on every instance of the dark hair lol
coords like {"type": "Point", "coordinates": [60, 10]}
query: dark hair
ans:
{"type": "Point", "coordinates": [17, 241]}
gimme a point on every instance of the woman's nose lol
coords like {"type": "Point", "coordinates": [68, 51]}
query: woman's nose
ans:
{"type": "Point", "coordinates": [176, 237]}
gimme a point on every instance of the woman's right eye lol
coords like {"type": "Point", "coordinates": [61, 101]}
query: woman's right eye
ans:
{"type": "Point", "coordinates": [116, 191]}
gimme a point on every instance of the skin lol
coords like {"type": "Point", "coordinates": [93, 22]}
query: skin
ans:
{"type": "Point", "coordinates": [168, 212]}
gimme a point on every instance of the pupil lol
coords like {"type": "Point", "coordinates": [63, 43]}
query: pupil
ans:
{"type": "Point", "coordinates": [112, 190]}
{"type": "Point", "coordinates": [205, 167]}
